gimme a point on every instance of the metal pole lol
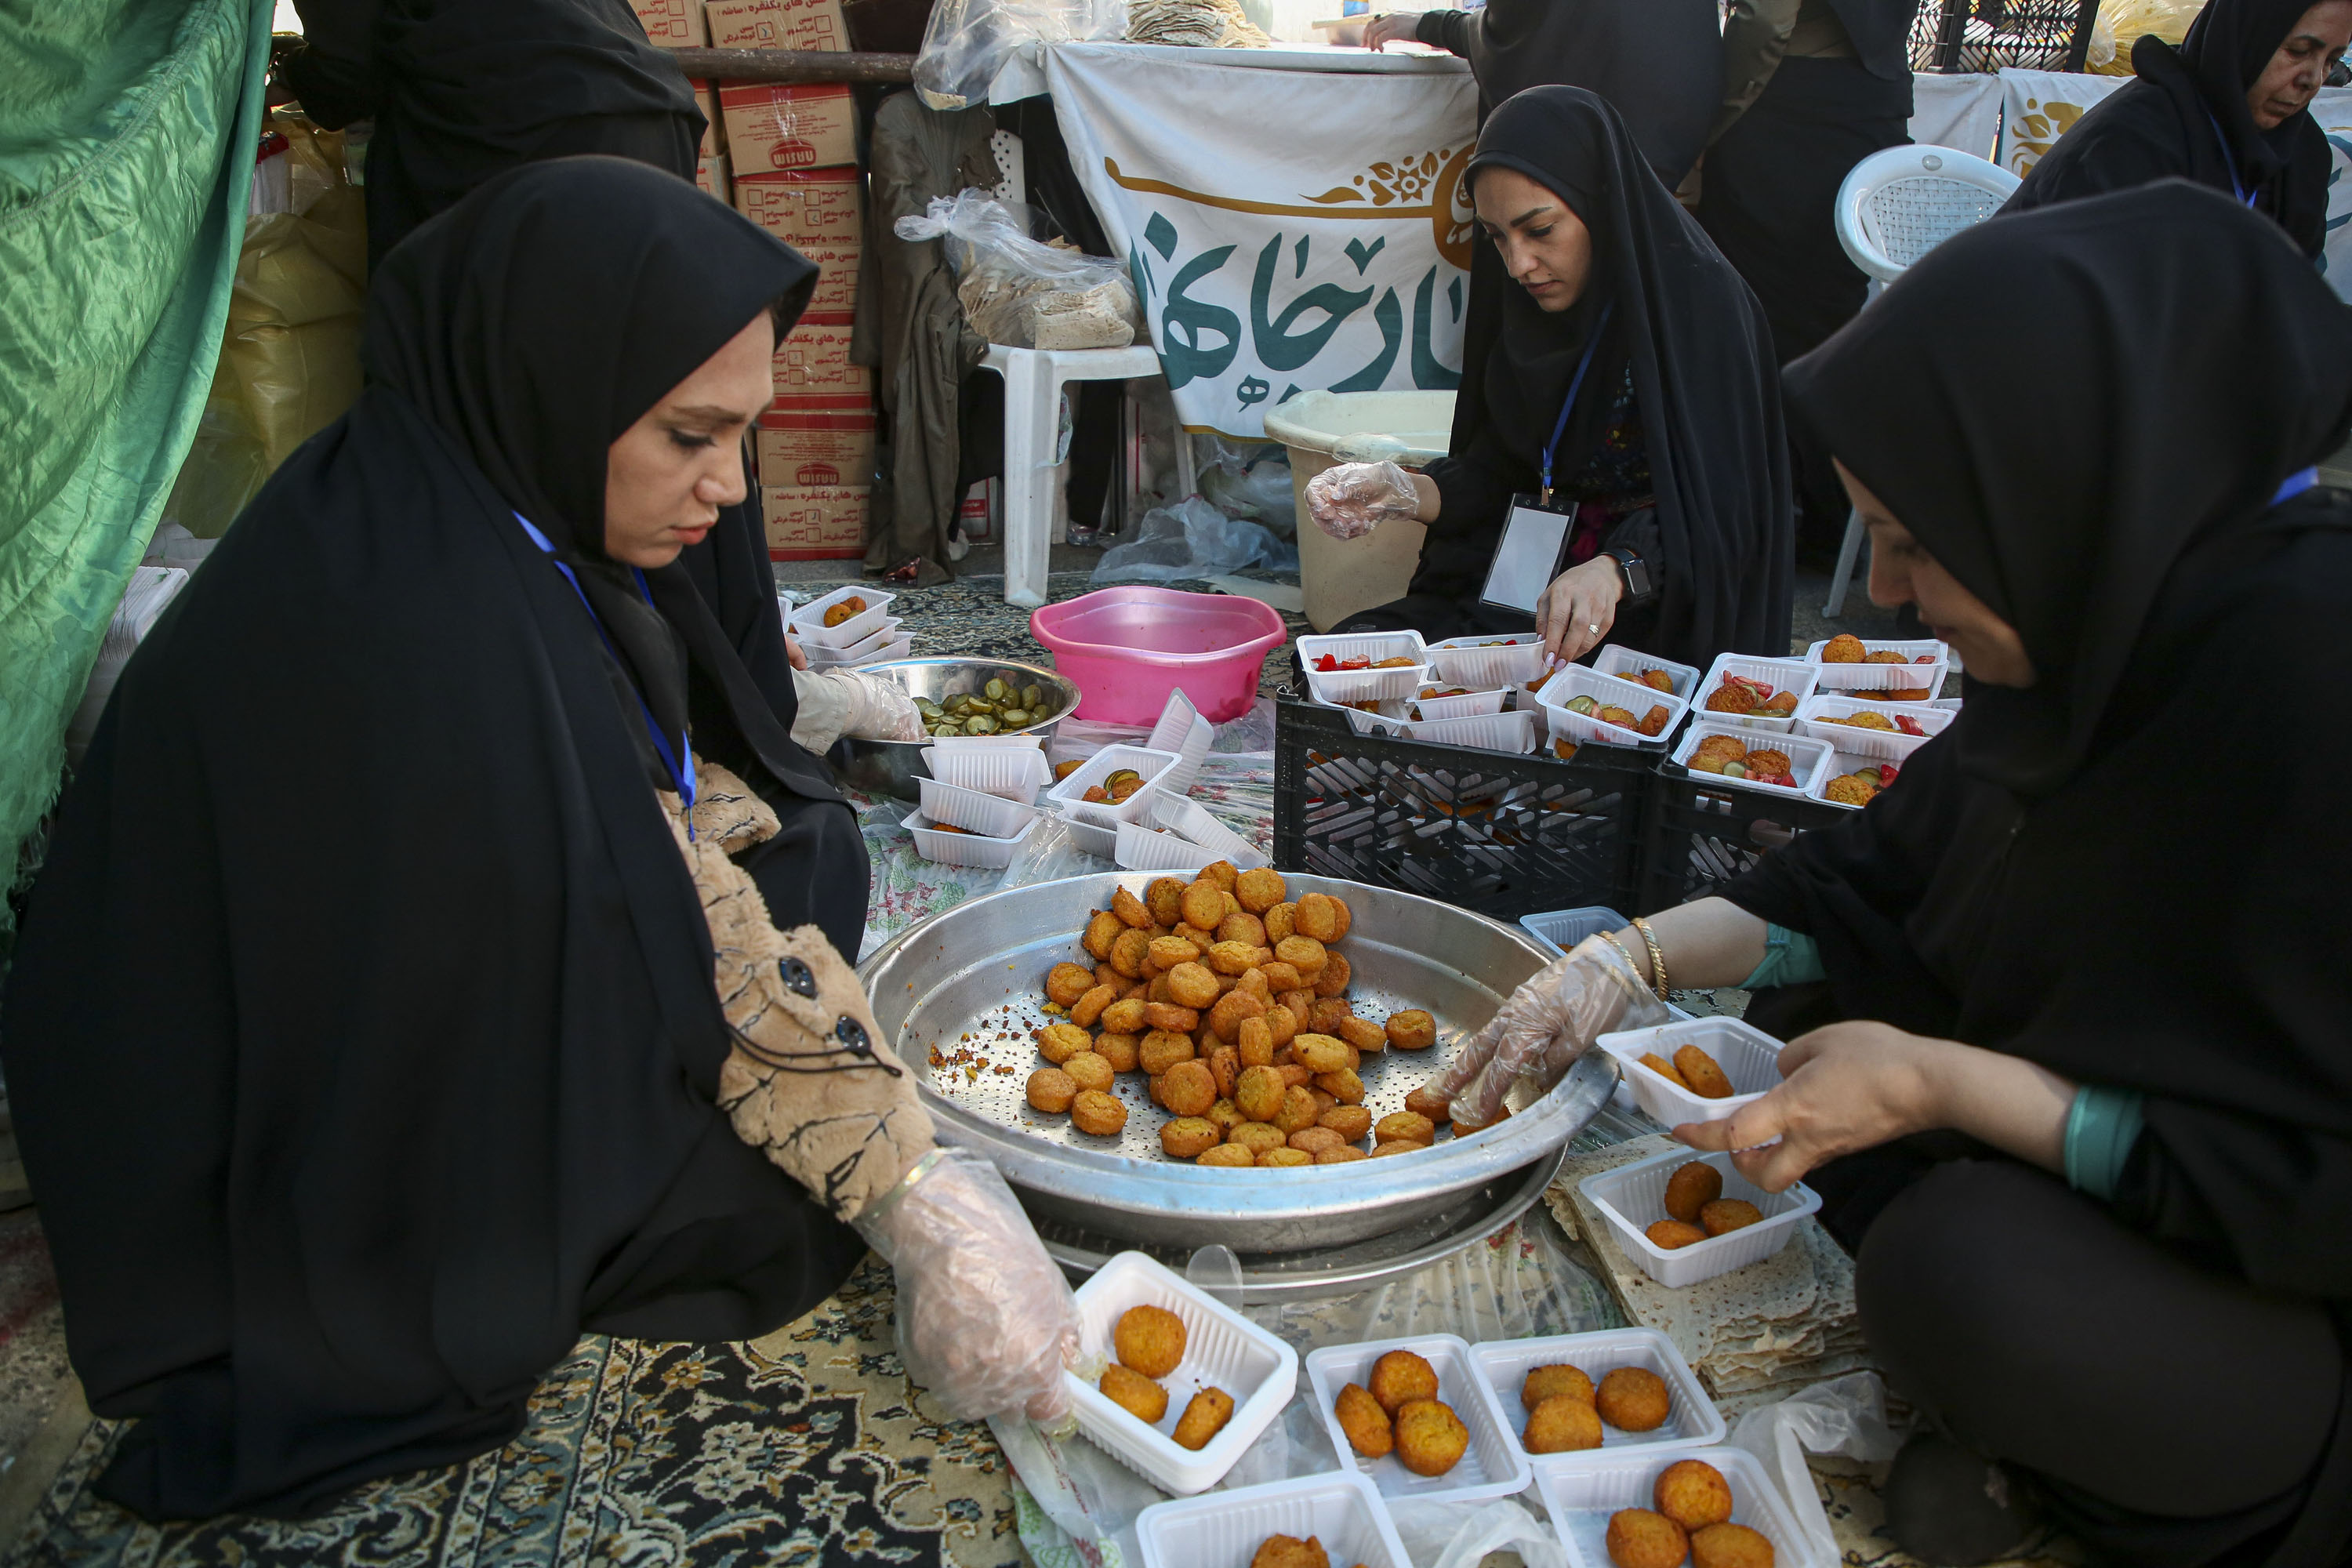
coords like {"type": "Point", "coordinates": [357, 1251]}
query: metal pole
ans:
{"type": "Point", "coordinates": [797, 65]}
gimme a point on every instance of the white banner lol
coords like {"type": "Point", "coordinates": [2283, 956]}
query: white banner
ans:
{"type": "Point", "coordinates": [1288, 230]}
{"type": "Point", "coordinates": [1957, 112]}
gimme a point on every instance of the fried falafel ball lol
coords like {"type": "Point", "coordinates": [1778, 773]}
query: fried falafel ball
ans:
{"type": "Point", "coordinates": [1259, 891]}
{"type": "Point", "coordinates": [1089, 1009]}
{"type": "Point", "coordinates": [1730, 1546]}
{"type": "Point", "coordinates": [1667, 1235]}
{"type": "Point", "coordinates": [1851, 789]}
{"type": "Point", "coordinates": [1165, 899]}
{"type": "Point", "coordinates": [1260, 1138]}
{"type": "Point", "coordinates": [1693, 1184]}
{"type": "Point", "coordinates": [1544, 1382]}
{"type": "Point", "coordinates": [1429, 1438]}
{"type": "Point", "coordinates": [1135, 1393]}
{"type": "Point", "coordinates": [1099, 1114]}
{"type": "Point", "coordinates": [1058, 1042]}
{"type": "Point", "coordinates": [1728, 1214]}
{"type": "Point", "coordinates": [1406, 1126]}
{"type": "Point", "coordinates": [1188, 1137]}
{"type": "Point", "coordinates": [1100, 932]}
{"type": "Point", "coordinates": [1401, 1376]}
{"type": "Point", "coordinates": [1289, 1551]}
{"type": "Point", "coordinates": [1640, 1539]}
{"type": "Point", "coordinates": [1204, 1418]}
{"type": "Point", "coordinates": [1700, 1070]}
{"type": "Point", "coordinates": [1286, 1156]}
{"type": "Point", "coordinates": [1088, 1070]}
{"type": "Point", "coordinates": [1314, 1140]}
{"type": "Point", "coordinates": [1411, 1030]}
{"type": "Point", "coordinates": [1124, 1052]}
{"type": "Point", "coordinates": [1843, 649]}
{"type": "Point", "coordinates": [1663, 1068]}
{"type": "Point", "coordinates": [1633, 1399]}
{"type": "Point", "coordinates": [1162, 1049]}
{"type": "Point", "coordinates": [1051, 1091]}
{"type": "Point", "coordinates": [1235, 1156]}
{"type": "Point", "coordinates": [1369, 1429]}
{"type": "Point", "coordinates": [1149, 1340]}
{"type": "Point", "coordinates": [1562, 1425]}
{"type": "Point", "coordinates": [1066, 982]}
{"type": "Point", "coordinates": [1188, 1088]}
{"type": "Point", "coordinates": [1349, 1122]}
{"type": "Point", "coordinates": [1693, 1493]}
{"type": "Point", "coordinates": [1341, 1155]}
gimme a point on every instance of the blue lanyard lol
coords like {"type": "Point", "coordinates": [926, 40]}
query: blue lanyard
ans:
{"type": "Point", "coordinates": [2229, 160]}
{"type": "Point", "coordinates": [2295, 484]}
{"type": "Point", "coordinates": [679, 768]}
{"type": "Point", "coordinates": [1576, 382]}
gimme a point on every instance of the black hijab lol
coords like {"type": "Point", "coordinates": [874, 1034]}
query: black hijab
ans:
{"type": "Point", "coordinates": [1702, 365]}
{"type": "Point", "coordinates": [461, 91]}
{"type": "Point", "coordinates": [2083, 414]}
{"type": "Point", "coordinates": [360, 1036]}
{"type": "Point", "coordinates": [2184, 115]}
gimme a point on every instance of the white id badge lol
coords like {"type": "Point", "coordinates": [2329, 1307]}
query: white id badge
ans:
{"type": "Point", "coordinates": [1528, 556]}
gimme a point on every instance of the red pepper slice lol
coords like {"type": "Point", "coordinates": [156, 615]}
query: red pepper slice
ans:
{"type": "Point", "coordinates": [1325, 665]}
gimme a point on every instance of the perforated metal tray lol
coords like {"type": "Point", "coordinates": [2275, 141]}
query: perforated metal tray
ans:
{"type": "Point", "coordinates": [961, 995]}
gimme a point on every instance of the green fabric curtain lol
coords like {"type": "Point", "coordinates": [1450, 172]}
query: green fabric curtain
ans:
{"type": "Point", "coordinates": [128, 130]}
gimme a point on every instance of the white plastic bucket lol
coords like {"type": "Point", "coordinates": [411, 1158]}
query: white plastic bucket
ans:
{"type": "Point", "coordinates": [1339, 577]}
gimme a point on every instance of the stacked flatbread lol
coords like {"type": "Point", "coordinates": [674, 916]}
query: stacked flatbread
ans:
{"type": "Point", "coordinates": [1194, 24]}
{"type": "Point", "coordinates": [1755, 1335]}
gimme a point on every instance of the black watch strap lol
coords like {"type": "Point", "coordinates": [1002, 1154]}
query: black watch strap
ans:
{"type": "Point", "coordinates": [1640, 586]}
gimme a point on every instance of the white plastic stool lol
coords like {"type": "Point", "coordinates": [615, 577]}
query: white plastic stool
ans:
{"type": "Point", "coordinates": [1034, 379]}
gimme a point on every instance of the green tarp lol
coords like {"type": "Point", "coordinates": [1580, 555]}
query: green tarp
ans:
{"type": "Point", "coordinates": [126, 136]}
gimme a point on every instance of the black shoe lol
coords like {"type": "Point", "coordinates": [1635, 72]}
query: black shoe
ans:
{"type": "Point", "coordinates": [1954, 1509]}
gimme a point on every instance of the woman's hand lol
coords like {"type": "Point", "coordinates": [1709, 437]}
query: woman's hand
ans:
{"type": "Point", "coordinates": [1348, 500]}
{"type": "Point", "coordinates": [1392, 26]}
{"type": "Point", "coordinates": [1543, 1027]}
{"type": "Point", "coordinates": [1577, 611]}
{"type": "Point", "coordinates": [792, 651]}
{"type": "Point", "coordinates": [1855, 1086]}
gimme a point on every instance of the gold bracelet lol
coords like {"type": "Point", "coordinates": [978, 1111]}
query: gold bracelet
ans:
{"type": "Point", "coordinates": [1657, 956]}
{"type": "Point", "coordinates": [1610, 937]}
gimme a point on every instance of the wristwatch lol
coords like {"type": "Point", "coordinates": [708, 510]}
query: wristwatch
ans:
{"type": "Point", "coordinates": [1639, 588]}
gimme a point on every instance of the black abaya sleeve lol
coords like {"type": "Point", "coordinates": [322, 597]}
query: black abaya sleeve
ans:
{"type": "Point", "coordinates": [1447, 30]}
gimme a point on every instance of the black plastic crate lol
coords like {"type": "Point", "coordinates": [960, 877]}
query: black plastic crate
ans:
{"type": "Point", "coordinates": [1699, 833]}
{"type": "Point", "coordinates": [1985, 35]}
{"type": "Point", "coordinates": [1502, 834]}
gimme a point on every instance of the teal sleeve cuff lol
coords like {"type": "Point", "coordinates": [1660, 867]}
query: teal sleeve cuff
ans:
{"type": "Point", "coordinates": [2101, 1128]}
{"type": "Point", "coordinates": [1790, 958]}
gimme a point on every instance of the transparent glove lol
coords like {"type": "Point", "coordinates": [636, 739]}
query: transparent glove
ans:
{"type": "Point", "coordinates": [1349, 500]}
{"type": "Point", "coordinates": [986, 1322]}
{"type": "Point", "coordinates": [838, 702]}
{"type": "Point", "coordinates": [1544, 1025]}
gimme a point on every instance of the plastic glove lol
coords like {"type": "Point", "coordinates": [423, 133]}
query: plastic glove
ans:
{"type": "Point", "coordinates": [1349, 500]}
{"type": "Point", "coordinates": [838, 702]}
{"type": "Point", "coordinates": [986, 1322]}
{"type": "Point", "coordinates": [1544, 1025]}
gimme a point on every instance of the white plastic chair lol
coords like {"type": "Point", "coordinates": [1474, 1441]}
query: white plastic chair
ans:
{"type": "Point", "coordinates": [1895, 207]}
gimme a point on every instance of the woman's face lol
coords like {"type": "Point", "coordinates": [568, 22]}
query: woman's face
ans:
{"type": "Point", "coordinates": [2300, 66]}
{"type": "Point", "coordinates": [1902, 572]}
{"type": "Point", "coordinates": [669, 473]}
{"type": "Point", "coordinates": [1546, 248]}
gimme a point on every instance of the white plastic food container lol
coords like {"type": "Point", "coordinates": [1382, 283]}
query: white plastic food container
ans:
{"type": "Point", "coordinates": [1813, 716]}
{"type": "Point", "coordinates": [1780, 674]}
{"type": "Point", "coordinates": [1182, 730]}
{"type": "Point", "coordinates": [1851, 750]}
{"type": "Point", "coordinates": [1222, 1349]}
{"type": "Point", "coordinates": [1468, 705]}
{"type": "Point", "coordinates": [1195, 838]}
{"type": "Point", "coordinates": [1692, 1421]}
{"type": "Point", "coordinates": [1492, 1466]}
{"type": "Point", "coordinates": [1225, 1530]}
{"type": "Point", "coordinates": [1511, 732]}
{"type": "Point", "coordinates": [875, 641]}
{"type": "Point", "coordinates": [1069, 796]}
{"type": "Point", "coordinates": [1561, 929]}
{"type": "Point", "coordinates": [885, 654]}
{"type": "Point", "coordinates": [1879, 677]}
{"type": "Point", "coordinates": [964, 848]}
{"type": "Point", "coordinates": [808, 621]}
{"type": "Point", "coordinates": [1632, 1198]}
{"type": "Point", "coordinates": [1364, 684]}
{"type": "Point", "coordinates": [1807, 758]}
{"type": "Point", "coordinates": [973, 810]}
{"type": "Point", "coordinates": [1011, 765]}
{"type": "Point", "coordinates": [1749, 1057]}
{"type": "Point", "coordinates": [1469, 662]}
{"type": "Point", "coordinates": [1609, 691]}
{"type": "Point", "coordinates": [1627, 664]}
{"type": "Point", "coordinates": [1580, 1491]}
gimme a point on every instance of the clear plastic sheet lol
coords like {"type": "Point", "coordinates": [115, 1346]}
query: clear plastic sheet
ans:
{"type": "Point", "coordinates": [1193, 539]}
{"type": "Point", "coordinates": [967, 42]}
{"type": "Point", "coordinates": [1844, 1416]}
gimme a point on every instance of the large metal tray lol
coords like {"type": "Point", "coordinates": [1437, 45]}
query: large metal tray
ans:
{"type": "Point", "coordinates": [967, 985]}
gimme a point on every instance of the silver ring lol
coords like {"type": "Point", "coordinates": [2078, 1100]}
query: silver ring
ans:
{"type": "Point", "coordinates": [1592, 629]}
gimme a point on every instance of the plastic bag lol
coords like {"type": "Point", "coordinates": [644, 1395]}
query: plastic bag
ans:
{"type": "Point", "coordinates": [2121, 23]}
{"type": "Point", "coordinates": [1022, 292]}
{"type": "Point", "coordinates": [967, 42]}
{"type": "Point", "coordinates": [1461, 1534]}
{"type": "Point", "coordinates": [1260, 491]}
{"type": "Point", "coordinates": [1845, 1415]}
{"type": "Point", "coordinates": [1193, 539]}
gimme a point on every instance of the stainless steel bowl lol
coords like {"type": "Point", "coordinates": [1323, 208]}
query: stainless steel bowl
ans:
{"type": "Point", "coordinates": [891, 767]}
{"type": "Point", "coordinates": [968, 983]}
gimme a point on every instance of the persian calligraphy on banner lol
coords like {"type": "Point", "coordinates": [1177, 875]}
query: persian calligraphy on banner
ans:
{"type": "Point", "coordinates": [1288, 230]}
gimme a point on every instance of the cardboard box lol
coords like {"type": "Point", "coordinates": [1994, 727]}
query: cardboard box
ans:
{"type": "Point", "coordinates": [834, 303]}
{"type": "Point", "coordinates": [808, 209]}
{"type": "Point", "coordinates": [673, 23]}
{"type": "Point", "coordinates": [711, 174]}
{"type": "Point", "coordinates": [777, 25]}
{"type": "Point", "coordinates": [714, 127]}
{"type": "Point", "coordinates": [812, 363]}
{"type": "Point", "coordinates": [770, 127]}
{"type": "Point", "coordinates": [816, 450]}
{"type": "Point", "coordinates": [815, 523]}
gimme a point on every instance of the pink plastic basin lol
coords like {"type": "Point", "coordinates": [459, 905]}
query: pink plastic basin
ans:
{"type": "Point", "coordinates": [1127, 649]}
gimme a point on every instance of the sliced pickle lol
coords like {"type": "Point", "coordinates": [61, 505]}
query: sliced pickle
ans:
{"type": "Point", "coordinates": [1013, 718]}
{"type": "Point", "coordinates": [979, 724]}
{"type": "Point", "coordinates": [1032, 697]}
{"type": "Point", "coordinates": [996, 690]}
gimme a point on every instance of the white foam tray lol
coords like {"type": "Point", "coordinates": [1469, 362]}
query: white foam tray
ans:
{"type": "Point", "coordinates": [1068, 796]}
{"type": "Point", "coordinates": [1462, 661]}
{"type": "Point", "coordinates": [1807, 758]}
{"type": "Point", "coordinates": [1692, 1419]}
{"type": "Point", "coordinates": [1468, 705]}
{"type": "Point", "coordinates": [1182, 730]}
{"type": "Point", "coordinates": [1492, 1466]}
{"type": "Point", "coordinates": [1195, 838]}
{"type": "Point", "coordinates": [974, 810]}
{"type": "Point", "coordinates": [1011, 765]}
{"type": "Point", "coordinates": [1874, 676]}
{"type": "Point", "coordinates": [887, 654]}
{"type": "Point", "coordinates": [1850, 750]}
{"type": "Point", "coordinates": [1629, 663]}
{"type": "Point", "coordinates": [1815, 710]}
{"type": "Point", "coordinates": [873, 642]}
{"type": "Point", "coordinates": [964, 848]}
{"type": "Point", "coordinates": [808, 621]}
{"type": "Point", "coordinates": [1561, 929]}
{"type": "Point", "coordinates": [1222, 1349]}
{"type": "Point", "coordinates": [1780, 674]}
{"type": "Point", "coordinates": [1581, 1490]}
{"type": "Point", "coordinates": [1364, 684]}
{"type": "Point", "coordinates": [1511, 732]}
{"type": "Point", "coordinates": [1225, 1530]}
{"type": "Point", "coordinates": [1609, 691]}
{"type": "Point", "coordinates": [1749, 1057]}
{"type": "Point", "coordinates": [1631, 1198]}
